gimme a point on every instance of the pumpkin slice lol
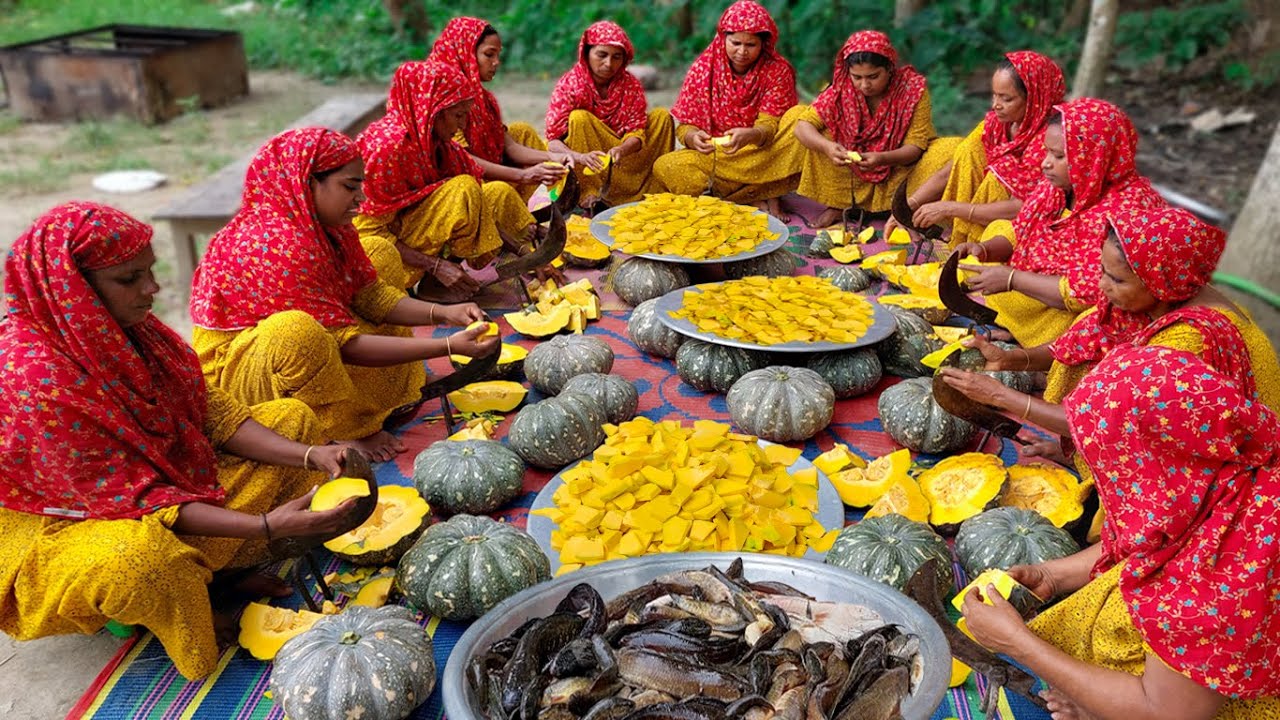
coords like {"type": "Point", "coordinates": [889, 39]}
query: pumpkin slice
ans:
{"type": "Point", "coordinates": [950, 334]}
{"type": "Point", "coordinates": [581, 249]}
{"type": "Point", "coordinates": [838, 458]}
{"type": "Point", "coordinates": [1018, 595]}
{"type": "Point", "coordinates": [960, 487]}
{"type": "Point", "coordinates": [604, 165]}
{"type": "Point", "coordinates": [937, 357]}
{"type": "Point", "coordinates": [554, 189]}
{"type": "Point", "coordinates": [490, 396]}
{"type": "Point", "coordinates": [374, 593]}
{"type": "Point", "coordinates": [902, 498]}
{"type": "Point", "coordinates": [899, 236]}
{"type": "Point", "coordinates": [1049, 490]}
{"type": "Point", "coordinates": [959, 673]}
{"type": "Point", "coordinates": [508, 356]}
{"type": "Point", "coordinates": [492, 330]}
{"type": "Point", "coordinates": [398, 519]}
{"type": "Point", "coordinates": [888, 257]}
{"type": "Point", "coordinates": [536, 324]}
{"type": "Point", "coordinates": [929, 308]}
{"type": "Point", "coordinates": [868, 233]}
{"type": "Point", "coordinates": [475, 429]}
{"type": "Point", "coordinates": [846, 253]}
{"type": "Point", "coordinates": [265, 629]}
{"type": "Point", "coordinates": [860, 488]}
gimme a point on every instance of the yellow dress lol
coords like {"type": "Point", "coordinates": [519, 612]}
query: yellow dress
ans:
{"type": "Point", "coordinates": [291, 355]}
{"type": "Point", "coordinates": [752, 174]}
{"type": "Point", "coordinates": [1093, 625]}
{"type": "Point", "coordinates": [62, 576]}
{"type": "Point", "coordinates": [523, 134]}
{"type": "Point", "coordinates": [835, 187]}
{"type": "Point", "coordinates": [633, 175]}
{"type": "Point", "coordinates": [969, 182]}
{"type": "Point", "coordinates": [460, 220]}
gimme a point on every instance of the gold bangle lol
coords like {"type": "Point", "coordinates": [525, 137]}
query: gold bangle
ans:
{"type": "Point", "coordinates": [306, 457]}
{"type": "Point", "coordinates": [972, 207]}
{"type": "Point", "coordinates": [431, 314]}
{"type": "Point", "coordinates": [1009, 286]}
{"type": "Point", "coordinates": [1026, 414]}
{"type": "Point", "coordinates": [266, 529]}
{"type": "Point", "coordinates": [1028, 354]}
{"type": "Point", "coordinates": [447, 347]}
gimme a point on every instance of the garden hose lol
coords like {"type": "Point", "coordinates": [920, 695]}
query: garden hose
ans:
{"type": "Point", "coordinates": [1248, 287]}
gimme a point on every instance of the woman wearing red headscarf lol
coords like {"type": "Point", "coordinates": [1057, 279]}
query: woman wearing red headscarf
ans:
{"type": "Point", "coordinates": [125, 483]}
{"type": "Point", "coordinates": [735, 94]}
{"type": "Point", "coordinates": [995, 169]}
{"type": "Point", "coordinates": [597, 115]}
{"type": "Point", "coordinates": [286, 303]}
{"type": "Point", "coordinates": [1052, 247]}
{"type": "Point", "coordinates": [878, 111]}
{"type": "Point", "coordinates": [425, 210]}
{"type": "Point", "coordinates": [510, 153]}
{"type": "Point", "coordinates": [1173, 613]}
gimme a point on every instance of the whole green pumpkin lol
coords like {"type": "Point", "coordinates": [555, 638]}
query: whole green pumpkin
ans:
{"type": "Point", "coordinates": [363, 662]}
{"type": "Point", "coordinates": [779, 263]}
{"type": "Point", "coordinates": [781, 403]}
{"type": "Point", "coordinates": [849, 278]}
{"type": "Point", "coordinates": [462, 567]}
{"type": "Point", "coordinates": [849, 373]}
{"type": "Point", "coordinates": [639, 279]}
{"type": "Point", "coordinates": [890, 549]}
{"type": "Point", "coordinates": [616, 394]}
{"type": "Point", "coordinates": [1006, 536]}
{"type": "Point", "coordinates": [901, 352]}
{"type": "Point", "coordinates": [650, 334]}
{"type": "Point", "coordinates": [468, 476]}
{"type": "Point", "coordinates": [913, 418]}
{"type": "Point", "coordinates": [715, 368]}
{"type": "Point", "coordinates": [551, 363]}
{"type": "Point", "coordinates": [974, 361]}
{"type": "Point", "coordinates": [554, 432]}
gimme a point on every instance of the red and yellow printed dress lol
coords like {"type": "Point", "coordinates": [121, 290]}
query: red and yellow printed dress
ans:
{"type": "Point", "coordinates": [989, 166]}
{"type": "Point", "coordinates": [715, 99]}
{"type": "Point", "coordinates": [587, 118]}
{"type": "Point", "coordinates": [1188, 473]}
{"type": "Point", "coordinates": [903, 117]}
{"type": "Point", "coordinates": [426, 192]}
{"type": "Point", "coordinates": [1101, 149]}
{"type": "Point", "coordinates": [277, 295]}
{"type": "Point", "coordinates": [485, 135]}
{"type": "Point", "coordinates": [104, 433]}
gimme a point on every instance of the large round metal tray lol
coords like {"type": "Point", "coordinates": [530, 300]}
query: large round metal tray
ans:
{"type": "Point", "coordinates": [882, 326]}
{"type": "Point", "coordinates": [830, 510]}
{"type": "Point", "coordinates": [824, 582]}
{"type": "Point", "coordinates": [601, 232]}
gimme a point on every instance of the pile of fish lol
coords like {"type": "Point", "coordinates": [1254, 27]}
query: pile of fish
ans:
{"type": "Point", "coordinates": [698, 645]}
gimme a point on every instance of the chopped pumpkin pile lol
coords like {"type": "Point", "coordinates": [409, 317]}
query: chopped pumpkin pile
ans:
{"type": "Point", "coordinates": [770, 311]}
{"type": "Point", "coordinates": [665, 487]}
{"type": "Point", "coordinates": [556, 308]}
{"type": "Point", "coordinates": [480, 428]}
{"type": "Point", "coordinates": [698, 228]}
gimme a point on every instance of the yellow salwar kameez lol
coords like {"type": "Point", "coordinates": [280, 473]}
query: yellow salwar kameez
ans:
{"type": "Point", "coordinates": [60, 576]}
{"type": "Point", "coordinates": [523, 134]}
{"type": "Point", "coordinates": [752, 174]}
{"type": "Point", "coordinates": [969, 182]}
{"type": "Point", "coordinates": [632, 175]}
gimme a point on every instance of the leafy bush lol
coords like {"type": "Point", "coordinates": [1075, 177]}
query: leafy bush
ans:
{"type": "Point", "coordinates": [1174, 38]}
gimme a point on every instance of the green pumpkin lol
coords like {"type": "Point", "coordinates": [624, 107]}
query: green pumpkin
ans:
{"type": "Point", "coordinates": [1006, 536]}
{"type": "Point", "coordinates": [849, 278]}
{"type": "Point", "coordinates": [890, 549]}
{"type": "Point", "coordinates": [554, 432]}
{"type": "Point", "coordinates": [782, 404]}
{"type": "Point", "coordinates": [363, 662]}
{"type": "Point", "coordinates": [911, 416]}
{"type": "Point", "coordinates": [616, 394]}
{"type": "Point", "coordinates": [551, 363]}
{"type": "Point", "coordinates": [468, 476]}
{"type": "Point", "coordinates": [849, 373]}
{"type": "Point", "coordinates": [901, 352]}
{"type": "Point", "coordinates": [778, 263]}
{"type": "Point", "coordinates": [460, 568]}
{"type": "Point", "coordinates": [650, 334]}
{"type": "Point", "coordinates": [715, 368]}
{"type": "Point", "coordinates": [973, 360]}
{"type": "Point", "coordinates": [639, 279]}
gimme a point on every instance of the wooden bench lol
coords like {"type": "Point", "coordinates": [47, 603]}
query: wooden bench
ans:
{"type": "Point", "coordinates": [208, 205]}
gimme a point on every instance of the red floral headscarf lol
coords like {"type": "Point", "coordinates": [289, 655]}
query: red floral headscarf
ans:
{"type": "Point", "coordinates": [404, 161]}
{"type": "Point", "coordinates": [1016, 162]}
{"type": "Point", "coordinates": [715, 98]}
{"type": "Point", "coordinates": [843, 108]}
{"type": "Point", "coordinates": [1172, 252]}
{"type": "Point", "coordinates": [1101, 148]}
{"type": "Point", "coordinates": [275, 255]}
{"type": "Point", "coordinates": [623, 107]}
{"type": "Point", "coordinates": [1186, 465]}
{"type": "Point", "coordinates": [456, 46]}
{"type": "Point", "coordinates": [98, 421]}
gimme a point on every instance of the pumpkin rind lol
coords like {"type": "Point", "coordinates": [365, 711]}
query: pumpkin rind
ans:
{"type": "Point", "coordinates": [468, 476]}
{"type": "Point", "coordinates": [715, 368]}
{"type": "Point", "coordinates": [1049, 490]}
{"type": "Point", "coordinates": [930, 309]}
{"type": "Point", "coordinates": [616, 394]}
{"type": "Point", "coordinates": [488, 396]}
{"type": "Point", "coordinates": [849, 373]}
{"type": "Point", "coordinates": [782, 404]}
{"type": "Point", "coordinates": [1008, 536]}
{"type": "Point", "coordinates": [974, 361]}
{"type": "Point", "coordinates": [778, 263]}
{"type": "Point", "coordinates": [650, 334]}
{"type": "Point", "coordinates": [860, 487]}
{"type": "Point", "coordinates": [265, 629]}
{"type": "Point", "coordinates": [900, 353]}
{"type": "Point", "coordinates": [461, 568]}
{"type": "Point", "coordinates": [510, 363]}
{"type": "Point", "coordinates": [365, 662]}
{"type": "Point", "coordinates": [846, 277]}
{"type": "Point", "coordinates": [890, 550]}
{"type": "Point", "coordinates": [550, 364]}
{"type": "Point", "coordinates": [399, 517]}
{"type": "Point", "coordinates": [960, 487]}
{"type": "Point", "coordinates": [639, 279]}
{"type": "Point", "coordinates": [555, 432]}
{"type": "Point", "coordinates": [914, 419]}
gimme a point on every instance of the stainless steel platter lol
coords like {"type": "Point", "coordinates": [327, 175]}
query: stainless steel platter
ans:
{"type": "Point", "coordinates": [601, 232]}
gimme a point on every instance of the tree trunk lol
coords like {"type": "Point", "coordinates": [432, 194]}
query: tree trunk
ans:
{"type": "Point", "coordinates": [1074, 17]}
{"type": "Point", "coordinates": [410, 19]}
{"type": "Point", "coordinates": [904, 9]}
{"type": "Point", "coordinates": [1096, 56]}
{"type": "Point", "coordinates": [1253, 249]}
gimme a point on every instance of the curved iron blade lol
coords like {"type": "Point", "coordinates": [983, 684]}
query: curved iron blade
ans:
{"type": "Point", "coordinates": [965, 408]}
{"type": "Point", "coordinates": [549, 249]}
{"type": "Point", "coordinates": [954, 297]}
{"type": "Point", "coordinates": [901, 211]}
{"type": "Point", "coordinates": [567, 201]}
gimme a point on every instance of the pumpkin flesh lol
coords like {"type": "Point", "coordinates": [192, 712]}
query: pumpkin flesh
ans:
{"type": "Point", "coordinates": [860, 487]}
{"type": "Point", "coordinates": [489, 396]}
{"type": "Point", "coordinates": [902, 498]}
{"type": "Point", "coordinates": [265, 629]}
{"type": "Point", "coordinates": [961, 487]}
{"type": "Point", "coordinates": [1049, 490]}
{"type": "Point", "coordinates": [397, 520]}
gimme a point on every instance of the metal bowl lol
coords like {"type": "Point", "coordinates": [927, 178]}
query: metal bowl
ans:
{"type": "Point", "coordinates": [601, 232]}
{"type": "Point", "coordinates": [824, 582]}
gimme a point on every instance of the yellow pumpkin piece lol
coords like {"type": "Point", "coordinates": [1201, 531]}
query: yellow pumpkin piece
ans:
{"type": "Point", "coordinates": [867, 235]}
{"type": "Point", "coordinates": [475, 429]}
{"type": "Point", "coordinates": [540, 325]}
{"type": "Point", "coordinates": [374, 593]}
{"type": "Point", "coordinates": [507, 354]}
{"type": "Point", "coordinates": [1095, 526]}
{"type": "Point", "coordinates": [935, 358]}
{"type": "Point", "coordinates": [959, 673]}
{"type": "Point", "coordinates": [337, 491]}
{"type": "Point", "coordinates": [604, 165]}
{"type": "Point", "coordinates": [1049, 490]}
{"type": "Point", "coordinates": [902, 498]}
{"type": "Point", "coordinates": [854, 156]}
{"type": "Point", "coordinates": [950, 334]}
{"type": "Point", "coordinates": [846, 254]}
{"type": "Point", "coordinates": [838, 458]}
{"type": "Point", "coordinates": [490, 332]}
{"type": "Point", "coordinates": [490, 396]}
{"type": "Point", "coordinates": [581, 244]}
{"type": "Point", "coordinates": [962, 486]}
{"type": "Point", "coordinates": [397, 519]}
{"type": "Point", "coordinates": [265, 629]}
{"type": "Point", "coordinates": [859, 487]}
{"type": "Point", "coordinates": [1015, 592]}
{"type": "Point", "coordinates": [554, 189]}
{"type": "Point", "coordinates": [722, 140]}
{"type": "Point", "coordinates": [836, 235]}
{"type": "Point", "coordinates": [888, 257]}
{"type": "Point", "coordinates": [899, 236]}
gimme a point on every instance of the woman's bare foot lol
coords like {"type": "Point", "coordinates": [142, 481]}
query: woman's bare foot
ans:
{"type": "Point", "coordinates": [225, 631]}
{"type": "Point", "coordinates": [827, 218]}
{"type": "Point", "coordinates": [586, 202]}
{"type": "Point", "coordinates": [1062, 707]}
{"type": "Point", "coordinates": [379, 447]}
{"type": "Point", "coordinates": [778, 209]}
{"type": "Point", "coordinates": [1047, 449]}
